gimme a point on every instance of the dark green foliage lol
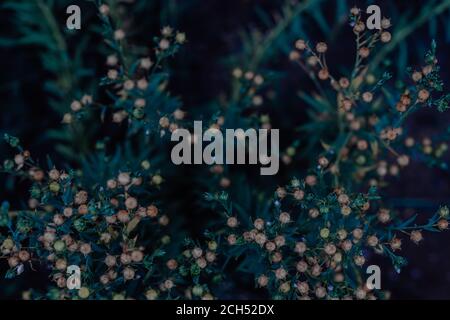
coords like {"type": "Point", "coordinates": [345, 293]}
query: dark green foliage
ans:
{"type": "Point", "coordinates": [112, 203]}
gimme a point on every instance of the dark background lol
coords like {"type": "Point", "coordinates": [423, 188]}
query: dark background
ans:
{"type": "Point", "coordinates": [201, 72]}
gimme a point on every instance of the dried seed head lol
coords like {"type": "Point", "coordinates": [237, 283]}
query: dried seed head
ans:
{"type": "Point", "coordinates": [76, 106]}
{"type": "Point", "coordinates": [311, 180]}
{"type": "Point", "coordinates": [67, 118]}
{"type": "Point", "coordinates": [357, 233]}
{"type": "Point", "coordinates": [384, 216]}
{"type": "Point", "coordinates": [24, 255]}
{"type": "Point", "coordinates": [232, 222]}
{"type": "Point", "coordinates": [210, 256]}
{"type": "Point", "coordinates": [58, 219]}
{"type": "Point", "coordinates": [137, 256]}
{"type": "Point", "coordinates": [280, 241]}
{"type": "Point", "coordinates": [104, 9]}
{"type": "Point", "coordinates": [152, 211]}
{"type": "Point", "coordinates": [444, 212]}
{"type": "Point", "coordinates": [346, 210]}
{"type": "Point", "coordinates": [285, 287]}
{"type": "Point", "coordinates": [362, 145]}
{"type": "Point", "coordinates": [142, 84]}
{"type": "Point", "coordinates": [180, 37]}
{"type": "Point", "coordinates": [146, 63]}
{"type": "Point", "coordinates": [164, 44]}
{"type": "Point", "coordinates": [163, 220]}
{"type": "Point", "coordinates": [342, 234]}
{"type": "Point", "coordinates": [303, 287]}
{"type": "Point", "coordinates": [19, 160]}
{"type": "Point", "coordinates": [112, 74]}
{"type": "Point", "coordinates": [403, 160]}
{"type": "Point", "coordinates": [323, 162]}
{"type": "Point", "coordinates": [427, 69]}
{"type": "Point", "coordinates": [124, 178]}
{"type": "Point", "coordinates": [260, 239]}
{"type": "Point", "coordinates": [81, 197]}
{"type": "Point", "coordinates": [281, 192]}
{"type": "Point", "coordinates": [164, 122]}
{"type": "Point", "coordinates": [347, 245]}
{"type": "Point", "coordinates": [312, 61]}
{"type": "Point", "coordinates": [324, 233]}
{"type": "Point", "coordinates": [84, 293]}
{"type": "Point", "coordinates": [299, 194]}
{"type": "Point", "coordinates": [197, 252]}
{"type": "Point", "coordinates": [360, 294]}
{"type": "Point", "coordinates": [330, 249]}
{"type": "Point", "coordinates": [321, 47]}
{"type": "Point", "coordinates": [270, 246]}
{"type": "Point", "coordinates": [423, 95]}
{"type": "Point", "coordinates": [172, 264]}
{"type": "Point", "coordinates": [280, 273]}
{"type": "Point", "coordinates": [320, 292]}
{"type": "Point", "coordinates": [343, 198]}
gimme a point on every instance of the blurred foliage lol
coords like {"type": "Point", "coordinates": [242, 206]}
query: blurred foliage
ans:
{"type": "Point", "coordinates": [104, 101]}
